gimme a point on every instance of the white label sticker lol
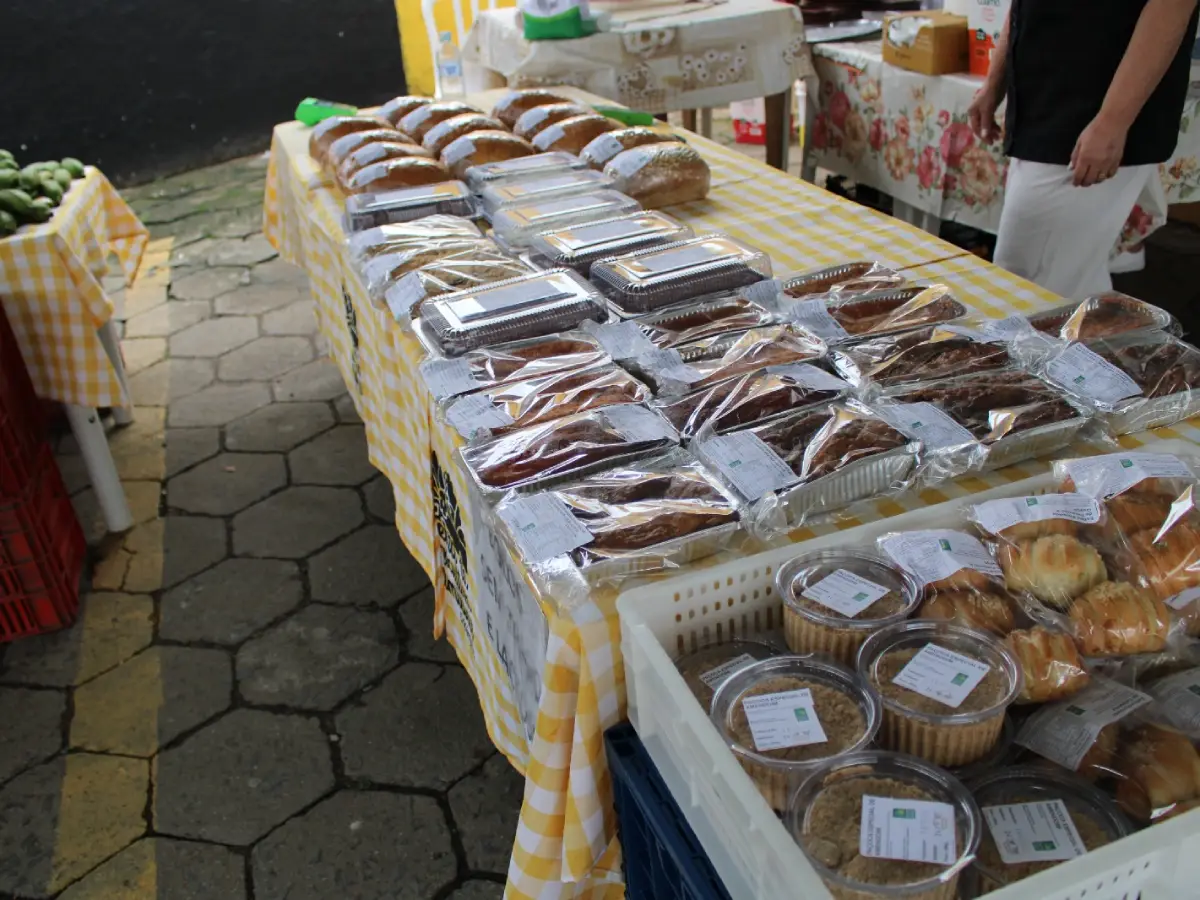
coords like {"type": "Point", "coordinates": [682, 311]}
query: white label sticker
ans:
{"type": "Point", "coordinates": [942, 675]}
{"type": "Point", "coordinates": [476, 412]}
{"type": "Point", "coordinates": [628, 163]}
{"type": "Point", "coordinates": [521, 165]}
{"type": "Point", "coordinates": [995, 331]}
{"type": "Point", "coordinates": [1178, 701]}
{"type": "Point", "coordinates": [996, 515]}
{"type": "Point", "coordinates": [1184, 599]}
{"type": "Point", "coordinates": [543, 527]}
{"type": "Point", "coordinates": [459, 149]}
{"type": "Point", "coordinates": [783, 720]}
{"type": "Point", "coordinates": [715, 677]}
{"type": "Point", "coordinates": [548, 137]}
{"type": "Point", "coordinates": [509, 299]}
{"type": "Point", "coordinates": [809, 376]}
{"type": "Point", "coordinates": [625, 340]}
{"type": "Point", "coordinates": [1079, 369]}
{"type": "Point", "coordinates": [579, 236]}
{"type": "Point", "coordinates": [675, 260]}
{"type": "Point", "coordinates": [814, 317]}
{"type": "Point", "coordinates": [1063, 732]}
{"type": "Point", "coordinates": [604, 148]}
{"type": "Point", "coordinates": [926, 423]}
{"type": "Point", "coordinates": [749, 464]}
{"type": "Point", "coordinates": [937, 554]}
{"type": "Point", "coordinates": [582, 203]}
{"type": "Point", "coordinates": [636, 423]}
{"type": "Point", "coordinates": [402, 296]}
{"type": "Point", "coordinates": [1034, 832]}
{"type": "Point", "coordinates": [532, 190]}
{"type": "Point", "coordinates": [764, 293]}
{"type": "Point", "coordinates": [1115, 473]}
{"type": "Point", "coordinates": [845, 592]}
{"type": "Point", "coordinates": [668, 365]}
{"type": "Point", "coordinates": [448, 377]}
{"type": "Point", "coordinates": [915, 830]}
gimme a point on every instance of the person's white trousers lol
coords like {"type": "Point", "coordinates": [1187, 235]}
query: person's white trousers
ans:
{"type": "Point", "coordinates": [1060, 236]}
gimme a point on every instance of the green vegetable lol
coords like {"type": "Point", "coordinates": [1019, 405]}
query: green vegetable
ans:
{"type": "Point", "coordinates": [52, 189]}
{"type": "Point", "coordinates": [63, 177]}
{"type": "Point", "coordinates": [74, 166]}
{"type": "Point", "coordinates": [6, 154]}
{"type": "Point", "coordinates": [40, 210]}
{"type": "Point", "coordinates": [9, 178]}
{"type": "Point", "coordinates": [17, 202]}
{"type": "Point", "coordinates": [29, 181]}
{"type": "Point", "coordinates": [9, 164]}
{"type": "Point", "coordinates": [8, 224]}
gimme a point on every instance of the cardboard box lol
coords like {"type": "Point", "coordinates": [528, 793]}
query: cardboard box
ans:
{"type": "Point", "coordinates": [939, 48]}
{"type": "Point", "coordinates": [985, 21]}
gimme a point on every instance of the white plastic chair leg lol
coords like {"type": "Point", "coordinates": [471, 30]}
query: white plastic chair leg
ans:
{"type": "Point", "coordinates": [93, 444]}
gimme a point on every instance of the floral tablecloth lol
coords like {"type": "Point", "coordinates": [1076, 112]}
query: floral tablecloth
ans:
{"type": "Point", "coordinates": [906, 134]}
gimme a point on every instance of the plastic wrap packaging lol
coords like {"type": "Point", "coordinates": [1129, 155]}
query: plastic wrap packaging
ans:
{"type": "Point", "coordinates": [519, 404]}
{"type": "Point", "coordinates": [327, 131]}
{"type": "Point", "coordinates": [651, 279]}
{"type": "Point", "coordinates": [508, 171]}
{"type": "Point", "coordinates": [399, 107]}
{"type": "Point", "coordinates": [573, 134]}
{"type": "Point", "coordinates": [837, 318]}
{"type": "Point", "coordinates": [661, 174]}
{"type": "Point", "coordinates": [381, 271]}
{"type": "Point", "coordinates": [541, 117]}
{"type": "Point", "coordinates": [525, 360]}
{"type": "Point", "coordinates": [706, 669]}
{"type": "Point", "coordinates": [421, 120]}
{"type": "Point", "coordinates": [365, 245]}
{"type": "Point", "coordinates": [396, 174]}
{"type": "Point", "coordinates": [530, 306]}
{"type": "Point", "coordinates": [810, 462]}
{"type": "Point", "coordinates": [701, 320]}
{"type": "Point", "coordinates": [600, 150]}
{"type": "Point", "coordinates": [371, 154]}
{"type": "Point", "coordinates": [467, 269]}
{"type": "Point", "coordinates": [844, 278]}
{"type": "Point", "coordinates": [1134, 382]}
{"type": "Point", "coordinates": [559, 185]}
{"type": "Point", "coordinates": [579, 246]}
{"type": "Point", "coordinates": [516, 226]}
{"type": "Point", "coordinates": [1176, 703]}
{"type": "Point", "coordinates": [834, 816]}
{"type": "Point", "coordinates": [568, 448]}
{"type": "Point", "coordinates": [1103, 316]}
{"type": "Point", "coordinates": [783, 717]}
{"type": "Point", "coordinates": [1002, 754]}
{"type": "Point", "coordinates": [483, 148]}
{"type": "Point", "coordinates": [449, 198]}
{"type": "Point", "coordinates": [747, 400]}
{"type": "Point", "coordinates": [444, 133]}
{"type": "Point", "coordinates": [1157, 772]}
{"type": "Point", "coordinates": [510, 107]}
{"type": "Point", "coordinates": [341, 149]}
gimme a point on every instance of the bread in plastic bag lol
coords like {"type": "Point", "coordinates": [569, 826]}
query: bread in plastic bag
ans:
{"type": "Point", "coordinates": [1103, 316]}
{"type": "Point", "coordinates": [858, 277]}
{"type": "Point", "coordinates": [480, 148]}
{"type": "Point", "coordinates": [470, 267]}
{"type": "Point", "coordinates": [328, 130]}
{"type": "Point", "coordinates": [699, 320]}
{"type": "Point", "coordinates": [381, 271]}
{"type": "Point", "coordinates": [407, 235]}
{"type": "Point", "coordinates": [601, 150]}
{"type": "Point", "coordinates": [394, 174]}
{"type": "Point", "coordinates": [364, 211]}
{"type": "Point", "coordinates": [341, 149]}
{"type": "Point", "coordinates": [444, 133]}
{"type": "Point", "coordinates": [573, 134]}
{"type": "Point", "coordinates": [510, 107]}
{"type": "Point", "coordinates": [418, 123]}
{"type": "Point", "coordinates": [838, 318]}
{"type": "Point", "coordinates": [661, 174]}
{"type": "Point", "coordinates": [399, 107]}
{"type": "Point", "coordinates": [1158, 769]}
{"type": "Point", "coordinates": [538, 118]}
{"type": "Point", "coordinates": [370, 154]}
{"type": "Point", "coordinates": [1051, 664]}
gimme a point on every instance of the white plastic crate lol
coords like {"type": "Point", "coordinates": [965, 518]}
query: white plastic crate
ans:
{"type": "Point", "coordinates": [747, 844]}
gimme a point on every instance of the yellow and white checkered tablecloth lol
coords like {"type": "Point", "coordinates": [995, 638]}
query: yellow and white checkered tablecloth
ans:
{"type": "Point", "coordinates": [50, 285]}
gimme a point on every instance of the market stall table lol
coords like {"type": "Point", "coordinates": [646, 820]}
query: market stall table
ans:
{"type": "Point", "coordinates": [53, 296]}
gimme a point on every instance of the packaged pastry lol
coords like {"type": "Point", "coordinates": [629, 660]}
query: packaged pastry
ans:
{"type": "Point", "coordinates": [1158, 769]}
{"type": "Point", "coordinates": [399, 107]}
{"type": "Point", "coordinates": [568, 448]}
{"type": "Point", "coordinates": [421, 120]}
{"type": "Point", "coordinates": [471, 267]}
{"type": "Point", "coordinates": [382, 271]}
{"type": "Point", "coordinates": [557, 185]}
{"type": "Point", "coordinates": [573, 134]}
{"type": "Point", "coordinates": [483, 173]}
{"type": "Point", "coordinates": [685, 324]}
{"type": "Point", "coordinates": [841, 819]}
{"type": "Point", "coordinates": [483, 148]}
{"type": "Point", "coordinates": [448, 198]}
{"type": "Point", "coordinates": [1014, 519]}
{"type": "Point", "coordinates": [990, 611]}
{"type": "Point", "coordinates": [1036, 819]}
{"type": "Point", "coordinates": [944, 688]}
{"type": "Point", "coordinates": [1103, 316]}
{"type": "Point", "coordinates": [518, 404]}
{"type": "Point", "coordinates": [370, 154]}
{"type": "Point", "coordinates": [706, 669]}
{"type": "Point", "coordinates": [327, 131]}
{"type": "Point", "coordinates": [374, 242]}
{"type": "Point", "coordinates": [515, 361]}
{"type": "Point", "coordinates": [927, 354]}
{"type": "Point", "coordinates": [517, 226]}
{"type": "Point", "coordinates": [943, 560]}
{"type": "Point", "coordinates": [834, 599]}
{"type": "Point", "coordinates": [525, 307]}
{"type": "Point", "coordinates": [662, 174]}
{"type": "Point", "coordinates": [783, 717]}
{"type": "Point", "coordinates": [445, 132]}
{"type": "Point", "coordinates": [651, 279]}
{"type": "Point", "coordinates": [578, 246]}
{"type": "Point", "coordinates": [1050, 663]}
{"type": "Point", "coordinates": [1116, 618]}
{"type": "Point", "coordinates": [844, 278]}
{"type": "Point", "coordinates": [837, 318]}
{"type": "Point", "coordinates": [347, 144]}
{"type": "Point", "coordinates": [538, 118]}
{"type": "Point", "coordinates": [1176, 702]}
{"type": "Point", "coordinates": [1056, 569]}
{"type": "Point", "coordinates": [600, 150]}
{"type": "Point", "coordinates": [394, 174]}
{"type": "Point", "coordinates": [514, 103]}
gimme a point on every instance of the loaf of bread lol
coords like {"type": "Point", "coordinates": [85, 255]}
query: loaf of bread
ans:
{"type": "Point", "coordinates": [1055, 568]}
{"type": "Point", "coordinates": [370, 154]}
{"type": "Point", "coordinates": [1158, 769]}
{"type": "Point", "coordinates": [896, 309]}
{"type": "Point", "coordinates": [573, 134]}
{"type": "Point", "coordinates": [845, 278]}
{"type": "Point", "coordinates": [982, 610]}
{"type": "Point", "coordinates": [563, 394]}
{"type": "Point", "coordinates": [481, 147]}
{"type": "Point", "coordinates": [1050, 662]}
{"type": "Point", "coordinates": [1170, 564]}
{"type": "Point", "coordinates": [327, 131]}
{"type": "Point", "coordinates": [1116, 619]}
{"type": "Point", "coordinates": [1135, 511]}
{"type": "Point", "coordinates": [965, 579]}
{"type": "Point", "coordinates": [600, 151]}
{"type": "Point", "coordinates": [539, 118]}
{"type": "Point", "coordinates": [441, 135]}
{"type": "Point", "coordinates": [339, 151]}
{"type": "Point", "coordinates": [1031, 531]}
{"type": "Point", "coordinates": [392, 174]}
{"type": "Point", "coordinates": [514, 103]}
{"type": "Point", "coordinates": [418, 122]}
{"type": "Point", "coordinates": [399, 107]}
{"type": "Point", "coordinates": [658, 175]}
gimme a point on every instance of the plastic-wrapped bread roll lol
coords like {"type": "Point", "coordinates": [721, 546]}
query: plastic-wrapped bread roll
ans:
{"type": "Point", "coordinates": [341, 149]}
{"type": "Point", "coordinates": [1158, 770]}
{"type": "Point", "coordinates": [1055, 568]}
{"type": "Point", "coordinates": [1050, 663]}
{"type": "Point", "coordinates": [399, 107]}
{"type": "Point", "coordinates": [1116, 619]}
{"type": "Point", "coordinates": [379, 152]}
{"type": "Point", "coordinates": [658, 175]}
{"type": "Point", "coordinates": [444, 133]}
{"type": "Point", "coordinates": [573, 134]}
{"type": "Point", "coordinates": [397, 173]}
{"type": "Point", "coordinates": [514, 103]}
{"type": "Point", "coordinates": [539, 118]}
{"type": "Point", "coordinates": [327, 131]}
{"type": "Point", "coordinates": [419, 122]}
{"type": "Point", "coordinates": [600, 151]}
{"type": "Point", "coordinates": [981, 610]}
{"type": "Point", "coordinates": [481, 147]}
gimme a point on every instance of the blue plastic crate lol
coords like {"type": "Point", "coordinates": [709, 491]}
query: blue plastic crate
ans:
{"type": "Point", "coordinates": [661, 856]}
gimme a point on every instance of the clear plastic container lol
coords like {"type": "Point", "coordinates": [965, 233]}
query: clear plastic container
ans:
{"type": "Point", "coordinates": [651, 279]}
{"type": "Point", "coordinates": [815, 817]}
{"type": "Point", "coordinates": [513, 171]}
{"type": "Point", "coordinates": [847, 716]}
{"type": "Point", "coordinates": [494, 197]}
{"type": "Point", "coordinates": [686, 323]}
{"type": "Point", "coordinates": [580, 246]}
{"type": "Point", "coordinates": [1004, 753]}
{"type": "Point", "coordinates": [1103, 316]}
{"type": "Point", "coordinates": [833, 600]}
{"type": "Point", "coordinates": [706, 669]}
{"type": "Point", "coordinates": [516, 226]}
{"type": "Point", "coordinates": [450, 198]}
{"type": "Point", "coordinates": [373, 242]}
{"type": "Point", "coordinates": [516, 308]}
{"type": "Point", "coordinates": [933, 729]}
{"type": "Point", "coordinates": [843, 278]}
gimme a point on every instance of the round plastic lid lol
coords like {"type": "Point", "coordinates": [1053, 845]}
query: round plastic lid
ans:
{"type": "Point", "coordinates": [795, 580]}
{"type": "Point", "coordinates": [706, 669]}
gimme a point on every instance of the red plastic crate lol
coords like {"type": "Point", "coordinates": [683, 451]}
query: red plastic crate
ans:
{"type": "Point", "coordinates": [22, 423]}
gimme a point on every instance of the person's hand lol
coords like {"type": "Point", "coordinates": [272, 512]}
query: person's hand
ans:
{"type": "Point", "coordinates": [981, 114]}
{"type": "Point", "coordinates": [1097, 154]}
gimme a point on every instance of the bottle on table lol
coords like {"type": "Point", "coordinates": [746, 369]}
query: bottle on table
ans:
{"type": "Point", "coordinates": [449, 68]}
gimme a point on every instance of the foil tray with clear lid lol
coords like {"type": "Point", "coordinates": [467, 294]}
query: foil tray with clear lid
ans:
{"type": "Point", "coordinates": [509, 171]}
{"type": "Point", "coordinates": [553, 185]}
{"type": "Point", "coordinates": [449, 198]}
{"type": "Point", "coordinates": [516, 226]}
{"type": "Point", "coordinates": [579, 246]}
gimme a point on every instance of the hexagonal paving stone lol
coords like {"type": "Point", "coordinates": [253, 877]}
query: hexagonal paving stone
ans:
{"type": "Point", "coordinates": [421, 727]}
{"type": "Point", "coordinates": [318, 380]}
{"type": "Point", "coordinates": [381, 499]}
{"type": "Point", "coordinates": [147, 702]}
{"type": "Point", "coordinates": [295, 318]}
{"type": "Point", "coordinates": [264, 359]}
{"type": "Point", "coordinates": [279, 271]}
{"type": "Point", "coordinates": [214, 336]}
{"type": "Point", "coordinates": [256, 299]}
{"type": "Point", "coordinates": [295, 522]}
{"type": "Point", "coordinates": [67, 816]}
{"type": "Point", "coordinates": [235, 780]}
{"type": "Point", "coordinates": [116, 627]}
{"type": "Point", "coordinates": [218, 404]}
{"type": "Point", "coordinates": [169, 380]}
{"type": "Point", "coordinates": [227, 483]}
{"type": "Point", "coordinates": [339, 456]}
{"type": "Point", "coordinates": [165, 869]}
{"type": "Point", "coordinates": [254, 249]}
{"type": "Point", "coordinates": [370, 566]}
{"type": "Point", "coordinates": [190, 544]}
{"type": "Point", "coordinates": [206, 284]}
{"type": "Point", "coordinates": [192, 254]}
{"type": "Point", "coordinates": [417, 616]}
{"type": "Point", "coordinates": [279, 426]}
{"type": "Point", "coordinates": [368, 845]}
{"type": "Point", "coordinates": [32, 728]}
{"type": "Point", "coordinates": [188, 446]}
{"type": "Point", "coordinates": [316, 658]}
{"type": "Point", "coordinates": [346, 410]}
{"type": "Point", "coordinates": [229, 602]}
{"type": "Point", "coordinates": [479, 890]}
{"type": "Point", "coordinates": [168, 318]}
{"type": "Point", "coordinates": [486, 807]}
{"type": "Point", "coordinates": [139, 353]}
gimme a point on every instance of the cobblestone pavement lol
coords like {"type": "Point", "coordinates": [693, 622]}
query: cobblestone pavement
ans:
{"type": "Point", "coordinates": [252, 704]}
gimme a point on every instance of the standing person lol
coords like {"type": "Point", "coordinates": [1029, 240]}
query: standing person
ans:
{"type": "Point", "coordinates": [1095, 94]}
